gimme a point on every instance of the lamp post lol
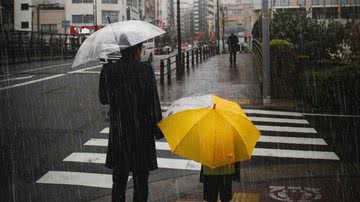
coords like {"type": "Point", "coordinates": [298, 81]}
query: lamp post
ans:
{"type": "Point", "coordinates": [218, 26]}
{"type": "Point", "coordinates": [179, 65]}
{"type": "Point", "coordinates": [266, 52]}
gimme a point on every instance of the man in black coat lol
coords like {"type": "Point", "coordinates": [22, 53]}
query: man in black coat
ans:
{"type": "Point", "coordinates": [129, 87]}
{"type": "Point", "coordinates": [233, 46]}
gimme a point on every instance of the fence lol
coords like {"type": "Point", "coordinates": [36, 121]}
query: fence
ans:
{"type": "Point", "coordinates": [191, 57]}
{"type": "Point", "coordinates": [24, 46]}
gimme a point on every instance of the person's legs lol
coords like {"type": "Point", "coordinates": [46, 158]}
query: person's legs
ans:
{"type": "Point", "coordinates": [141, 189]}
{"type": "Point", "coordinates": [225, 188]}
{"type": "Point", "coordinates": [234, 57]}
{"type": "Point", "coordinates": [211, 188]}
{"type": "Point", "coordinates": [230, 57]}
{"type": "Point", "coordinates": [120, 179]}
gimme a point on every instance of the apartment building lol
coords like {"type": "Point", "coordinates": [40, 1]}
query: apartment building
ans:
{"type": "Point", "coordinates": [39, 15]}
{"type": "Point", "coordinates": [321, 9]}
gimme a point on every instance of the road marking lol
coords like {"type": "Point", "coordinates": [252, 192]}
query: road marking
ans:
{"type": "Point", "coordinates": [286, 153]}
{"type": "Point", "coordinates": [102, 142]}
{"type": "Point", "coordinates": [77, 178]}
{"type": "Point", "coordinates": [105, 130]}
{"type": "Point", "coordinates": [41, 68]}
{"type": "Point", "coordinates": [99, 142]}
{"type": "Point", "coordinates": [33, 81]}
{"type": "Point", "coordinates": [18, 78]}
{"type": "Point", "coordinates": [292, 140]}
{"type": "Point", "coordinates": [281, 153]}
{"type": "Point", "coordinates": [278, 120]}
{"type": "Point", "coordinates": [99, 158]}
{"type": "Point", "coordinates": [87, 72]}
{"type": "Point", "coordinates": [270, 112]}
{"type": "Point", "coordinates": [265, 128]}
{"type": "Point", "coordinates": [47, 78]}
{"type": "Point", "coordinates": [285, 129]}
{"type": "Point", "coordinates": [85, 69]}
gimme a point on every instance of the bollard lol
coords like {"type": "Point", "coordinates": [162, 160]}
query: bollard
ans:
{"type": "Point", "coordinates": [192, 57]}
{"type": "Point", "coordinates": [196, 55]}
{"type": "Point", "coordinates": [187, 60]}
{"type": "Point", "coordinates": [169, 70]}
{"type": "Point", "coordinates": [162, 71]}
{"type": "Point", "coordinates": [201, 54]}
{"type": "Point", "coordinates": [178, 66]}
{"type": "Point", "coordinates": [183, 62]}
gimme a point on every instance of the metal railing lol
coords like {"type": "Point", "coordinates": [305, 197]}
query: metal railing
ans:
{"type": "Point", "coordinates": [190, 58]}
{"type": "Point", "coordinates": [25, 46]}
{"type": "Point", "coordinates": [258, 58]}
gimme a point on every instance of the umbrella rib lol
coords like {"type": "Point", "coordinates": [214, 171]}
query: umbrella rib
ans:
{"type": "Point", "coordinates": [189, 131]}
{"type": "Point", "coordinates": [244, 146]}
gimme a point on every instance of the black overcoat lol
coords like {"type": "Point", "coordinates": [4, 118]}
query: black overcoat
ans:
{"type": "Point", "coordinates": [130, 89]}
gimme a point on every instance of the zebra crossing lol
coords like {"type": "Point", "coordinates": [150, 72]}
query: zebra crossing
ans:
{"type": "Point", "coordinates": [285, 135]}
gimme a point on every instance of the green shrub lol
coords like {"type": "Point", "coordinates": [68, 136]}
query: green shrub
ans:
{"type": "Point", "coordinates": [334, 89]}
{"type": "Point", "coordinates": [282, 67]}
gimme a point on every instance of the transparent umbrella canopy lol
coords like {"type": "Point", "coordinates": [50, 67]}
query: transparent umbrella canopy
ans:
{"type": "Point", "coordinates": [114, 37]}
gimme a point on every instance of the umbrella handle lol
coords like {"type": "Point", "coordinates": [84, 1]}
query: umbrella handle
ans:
{"type": "Point", "coordinates": [214, 106]}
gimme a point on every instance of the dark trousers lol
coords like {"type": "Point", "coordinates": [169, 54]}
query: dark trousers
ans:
{"type": "Point", "coordinates": [120, 179]}
{"type": "Point", "coordinates": [232, 57]}
{"type": "Point", "coordinates": [215, 185]}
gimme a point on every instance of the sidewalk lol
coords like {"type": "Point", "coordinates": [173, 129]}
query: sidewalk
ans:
{"type": "Point", "coordinates": [216, 76]}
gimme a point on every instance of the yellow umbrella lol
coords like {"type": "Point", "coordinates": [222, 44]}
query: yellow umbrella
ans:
{"type": "Point", "coordinates": [210, 130]}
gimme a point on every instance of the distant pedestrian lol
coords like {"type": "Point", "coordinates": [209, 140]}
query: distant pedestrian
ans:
{"type": "Point", "coordinates": [129, 87]}
{"type": "Point", "coordinates": [233, 47]}
{"type": "Point", "coordinates": [218, 181]}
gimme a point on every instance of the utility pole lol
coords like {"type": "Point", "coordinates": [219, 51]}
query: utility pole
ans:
{"type": "Point", "coordinates": [266, 52]}
{"type": "Point", "coordinates": [218, 26]}
{"type": "Point", "coordinates": [179, 67]}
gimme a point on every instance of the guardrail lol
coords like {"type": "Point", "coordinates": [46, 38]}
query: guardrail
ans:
{"type": "Point", "coordinates": [25, 46]}
{"type": "Point", "coordinates": [195, 55]}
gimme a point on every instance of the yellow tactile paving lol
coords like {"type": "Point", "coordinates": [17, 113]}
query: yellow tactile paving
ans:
{"type": "Point", "coordinates": [237, 197]}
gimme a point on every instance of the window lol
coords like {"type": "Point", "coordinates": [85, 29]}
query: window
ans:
{"type": "Point", "coordinates": [82, 18]}
{"type": "Point", "coordinates": [24, 7]}
{"type": "Point", "coordinates": [114, 16]}
{"type": "Point", "coordinates": [24, 25]}
{"type": "Point", "coordinates": [109, 1]}
{"type": "Point", "coordinates": [82, 1]}
{"type": "Point", "coordinates": [49, 28]}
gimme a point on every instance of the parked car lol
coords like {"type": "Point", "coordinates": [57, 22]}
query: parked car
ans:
{"type": "Point", "coordinates": [166, 49]}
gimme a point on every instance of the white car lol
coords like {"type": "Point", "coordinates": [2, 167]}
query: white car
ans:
{"type": "Point", "coordinates": [148, 51]}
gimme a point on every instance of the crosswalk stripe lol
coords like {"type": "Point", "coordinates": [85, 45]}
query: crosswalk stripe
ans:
{"type": "Point", "coordinates": [102, 142]}
{"type": "Point", "coordinates": [285, 129]}
{"type": "Point", "coordinates": [77, 178]}
{"type": "Point", "coordinates": [258, 111]}
{"type": "Point", "coordinates": [278, 120]}
{"type": "Point", "coordinates": [271, 120]}
{"type": "Point", "coordinates": [286, 153]}
{"type": "Point", "coordinates": [292, 140]}
{"type": "Point", "coordinates": [99, 158]}
{"type": "Point", "coordinates": [266, 128]}
{"type": "Point", "coordinates": [281, 153]}
{"type": "Point", "coordinates": [270, 112]}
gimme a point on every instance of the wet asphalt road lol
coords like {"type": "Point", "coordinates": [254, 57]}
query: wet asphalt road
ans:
{"type": "Point", "coordinates": [50, 113]}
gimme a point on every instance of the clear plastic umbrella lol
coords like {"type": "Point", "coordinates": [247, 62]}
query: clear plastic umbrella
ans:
{"type": "Point", "coordinates": [114, 37]}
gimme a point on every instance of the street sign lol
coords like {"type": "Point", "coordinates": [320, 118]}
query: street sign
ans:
{"type": "Point", "coordinates": [66, 23]}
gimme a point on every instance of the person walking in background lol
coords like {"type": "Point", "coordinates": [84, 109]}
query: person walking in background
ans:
{"type": "Point", "coordinates": [129, 87]}
{"type": "Point", "coordinates": [233, 46]}
{"type": "Point", "coordinates": [218, 181]}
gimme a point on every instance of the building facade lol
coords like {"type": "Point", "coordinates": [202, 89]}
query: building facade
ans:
{"type": "Point", "coordinates": [93, 14]}
{"type": "Point", "coordinates": [39, 15]}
